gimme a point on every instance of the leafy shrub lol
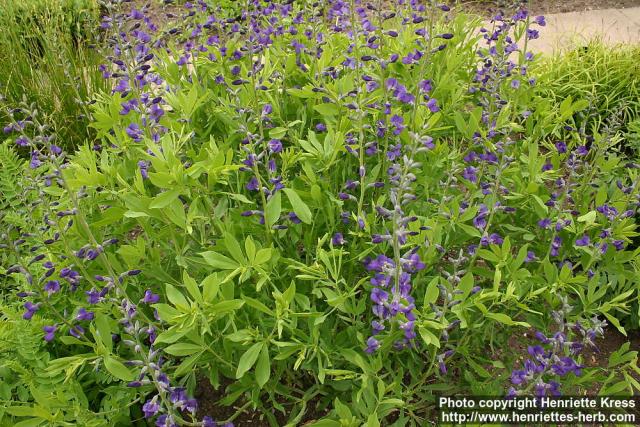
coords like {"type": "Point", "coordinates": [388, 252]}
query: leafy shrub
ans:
{"type": "Point", "coordinates": [327, 213]}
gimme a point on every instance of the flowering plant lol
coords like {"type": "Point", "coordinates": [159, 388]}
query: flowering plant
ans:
{"type": "Point", "coordinates": [307, 204]}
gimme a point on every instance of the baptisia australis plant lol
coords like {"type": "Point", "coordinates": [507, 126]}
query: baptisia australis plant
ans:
{"type": "Point", "coordinates": [237, 144]}
{"type": "Point", "coordinates": [64, 274]}
{"type": "Point", "coordinates": [556, 356]}
{"type": "Point", "coordinates": [392, 146]}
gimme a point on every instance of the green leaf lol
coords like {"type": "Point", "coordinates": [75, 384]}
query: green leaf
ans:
{"type": "Point", "coordinates": [465, 285]}
{"type": "Point", "coordinates": [326, 423]}
{"type": "Point", "coordinates": [164, 199]}
{"type": "Point", "coordinates": [225, 306]}
{"type": "Point", "coordinates": [166, 312]}
{"type": "Point", "coordinates": [27, 411]}
{"type": "Point", "coordinates": [273, 210]}
{"type": "Point", "coordinates": [615, 322]}
{"type": "Point", "coordinates": [254, 303]}
{"type": "Point", "coordinates": [429, 337]}
{"type": "Point", "coordinates": [104, 330]}
{"type": "Point", "coordinates": [234, 248]}
{"type": "Point", "coordinates": [175, 297]}
{"type": "Point", "coordinates": [31, 422]}
{"type": "Point", "coordinates": [299, 207]}
{"type": "Point", "coordinates": [263, 367]}
{"type": "Point", "coordinates": [503, 318]}
{"type": "Point", "coordinates": [117, 369]}
{"type": "Point", "coordinates": [248, 359]}
{"type": "Point", "coordinates": [192, 286]}
{"type": "Point", "coordinates": [327, 109]}
{"type": "Point", "coordinates": [431, 295]}
{"type": "Point", "coordinates": [210, 286]}
{"type": "Point", "coordinates": [262, 256]}
{"type": "Point", "coordinates": [219, 261]}
{"type": "Point", "coordinates": [589, 217]}
{"type": "Point", "coordinates": [250, 249]}
{"type": "Point", "coordinates": [372, 421]}
{"type": "Point", "coordinates": [183, 349]}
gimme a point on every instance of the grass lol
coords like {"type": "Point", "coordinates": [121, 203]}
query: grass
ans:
{"type": "Point", "coordinates": [47, 60]}
{"type": "Point", "coordinates": [608, 77]}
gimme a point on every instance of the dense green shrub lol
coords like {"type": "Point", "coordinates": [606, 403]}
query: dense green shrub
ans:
{"type": "Point", "coordinates": [333, 222]}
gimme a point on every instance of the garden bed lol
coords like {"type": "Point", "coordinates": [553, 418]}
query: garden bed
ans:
{"type": "Point", "coordinates": [319, 214]}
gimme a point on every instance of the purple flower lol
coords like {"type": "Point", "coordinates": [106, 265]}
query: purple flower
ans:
{"type": "Point", "coordinates": [583, 241]}
{"type": "Point", "coordinates": [338, 239]}
{"type": "Point", "coordinates": [83, 314]}
{"type": "Point", "coordinates": [143, 165]}
{"type": "Point", "coordinates": [379, 296]}
{"type": "Point", "coordinates": [93, 296]}
{"type": "Point", "coordinates": [134, 132]}
{"type": "Point", "coordinates": [398, 122]}
{"type": "Point", "coordinates": [618, 244]}
{"type": "Point", "coordinates": [555, 246]}
{"type": "Point", "coordinates": [151, 407]}
{"type": "Point", "coordinates": [531, 256]}
{"type": "Point", "coordinates": [561, 146]}
{"type": "Point", "coordinates": [394, 151]}
{"type": "Point", "coordinates": [31, 310]}
{"type": "Point", "coordinates": [275, 145]}
{"type": "Point", "coordinates": [50, 332]}
{"type": "Point", "coordinates": [253, 184]}
{"type": "Point", "coordinates": [425, 86]}
{"type": "Point", "coordinates": [470, 174]}
{"type": "Point", "coordinates": [544, 223]}
{"type": "Point", "coordinates": [150, 297]}
{"type": "Point", "coordinates": [372, 345]}
{"type": "Point", "coordinates": [480, 220]}
{"type": "Point", "coordinates": [432, 105]}
{"type": "Point", "coordinates": [52, 286]}
{"type": "Point", "coordinates": [582, 150]}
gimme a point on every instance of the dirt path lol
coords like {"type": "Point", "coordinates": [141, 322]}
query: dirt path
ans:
{"type": "Point", "coordinates": [546, 7]}
{"type": "Point", "coordinates": [575, 29]}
